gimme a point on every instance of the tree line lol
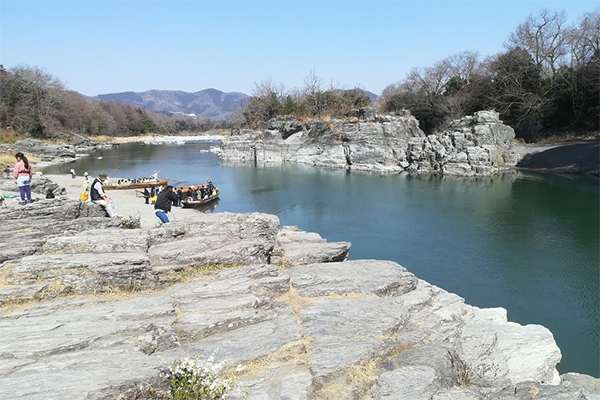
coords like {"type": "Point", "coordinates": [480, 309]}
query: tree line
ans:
{"type": "Point", "coordinates": [35, 103]}
{"type": "Point", "coordinates": [545, 82]}
{"type": "Point", "coordinates": [270, 100]}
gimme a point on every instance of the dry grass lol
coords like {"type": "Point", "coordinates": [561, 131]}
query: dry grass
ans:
{"type": "Point", "coordinates": [283, 263]}
{"type": "Point", "coordinates": [569, 137]}
{"type": "Point", "coordinates": [58, 289]}
{"type": "Point", "coordinates": [12, 305]}
{"type": "Point", "coordinates": [363, 375]}
{"type": "Point", "coordinates": [103, 138]}
{"type": "Point", "coordinates": [294, 300]}
{"type": "Point", "coordinates": [188, 273]}
{"type": "Point", "coordinates": [9, 159]}
{"type": "Point", "coordinates": [356, 382]}
{"type": "Point", "coordinates": [7, 136]}
{"type": "Point", "coordinates": [5, 274]}
{"type": "Point", "coordinates": [297, 352]}
{"type": "Point", "coordinates": [534, 391]}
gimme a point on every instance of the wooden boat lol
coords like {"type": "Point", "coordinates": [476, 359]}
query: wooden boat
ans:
{"type": "Point", "coordinates": [190, 203]}
{"type": "Point", "coordinates": [140, 185]}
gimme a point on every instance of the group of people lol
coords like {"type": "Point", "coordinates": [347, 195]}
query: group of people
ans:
{"type": "Point", "coordinates": [201, 192]}
{"type": "Point", "coordinates": [128, 182]}
{"type": "Point", "coordinates": [164, 199]}
{"type": "Point", "coordinates": [151, 195]}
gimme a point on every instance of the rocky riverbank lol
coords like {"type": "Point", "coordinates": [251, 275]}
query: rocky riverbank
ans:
{"type": "Point", "coordinates": [477, 145]}
{"type": "Point", "coordinates": [92, 311]}
{"type": "Point", "coordinates": [158, 140]}
{"type": "Point", "coordinates": [52, 154]}
{"type": "Point", "coordinates": [48, 154]}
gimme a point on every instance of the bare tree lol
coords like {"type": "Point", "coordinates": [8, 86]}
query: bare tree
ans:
{"type": "Point", "coordinates": [583, 41]}
{"type": "Point", "coordinates": [267, 88]}
{"type": "Point", "coordinates": [34, 97]}
{"type": "Point", "coordinates": [313, 93]}
{"type": "Point", "coordinates": [464, 65]}
{"type": "Point", "coordinates": [544, 38]}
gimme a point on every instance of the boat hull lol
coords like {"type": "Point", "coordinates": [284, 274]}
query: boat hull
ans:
{"type": "Point", "coordinates": [187, 203]}
{"type": "Point", "coordinates": [162, 182]}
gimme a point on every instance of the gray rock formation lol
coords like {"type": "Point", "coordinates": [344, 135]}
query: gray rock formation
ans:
{"type": "Point", "coordinates": [473, 146]}
{"type": "Point", "coordinates": [53, 154]}
{"type": "Point", "coordinates": [91, 311]}
{"type": "Point", "coordinates": [39, 184]}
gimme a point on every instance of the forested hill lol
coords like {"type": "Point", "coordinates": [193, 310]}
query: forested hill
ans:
{"type": "Point", "coordinates": [208, 103]}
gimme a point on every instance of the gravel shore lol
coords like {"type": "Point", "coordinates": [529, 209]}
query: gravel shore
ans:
{"type": "Point", "coordinates": [127, 202]}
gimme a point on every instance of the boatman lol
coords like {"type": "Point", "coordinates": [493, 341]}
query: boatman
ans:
{"type": "Point", "coordinates": [98, 196]}
{"type": "Point", "coordinates": [163, 204]}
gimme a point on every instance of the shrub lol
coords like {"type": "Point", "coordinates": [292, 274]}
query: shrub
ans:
{"type": "Point", "coordinates": [132, 222]}
{"type": "Point", "coordinates": [194, 379]}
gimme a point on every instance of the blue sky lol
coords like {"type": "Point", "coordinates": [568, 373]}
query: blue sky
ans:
{"type": "Point", "coordinates": [99, 47]}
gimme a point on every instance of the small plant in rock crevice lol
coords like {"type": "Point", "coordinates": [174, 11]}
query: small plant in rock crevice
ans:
{"type": "Point", "coordinates": [195, 379]}
{"type": "Point", "coordinates": [131, 222]}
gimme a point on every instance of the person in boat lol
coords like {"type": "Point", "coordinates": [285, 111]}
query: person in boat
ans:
{"type": "Point", "coordinates": [155, 175]}
{"type": "Point", "coordinates": [146, 195]}
{"type": "Point", "coordinates": [212, 189]}
{"type": "Point", "coordinates": [99, 196]}
{"type": "Point", "coordinates": [194, 194]}
{"type": "Point", "coordinates": [163, 204]}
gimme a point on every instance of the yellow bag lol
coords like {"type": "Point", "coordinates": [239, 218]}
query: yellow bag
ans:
{"type": "Point", "coordinates": [84, 196]}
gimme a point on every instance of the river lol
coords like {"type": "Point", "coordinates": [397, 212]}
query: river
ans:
{"type": "Point", "coordinates": [523, 241]}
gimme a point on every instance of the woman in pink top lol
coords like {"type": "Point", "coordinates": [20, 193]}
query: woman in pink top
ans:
{"type": "Point", "coordinates": [22, 177]}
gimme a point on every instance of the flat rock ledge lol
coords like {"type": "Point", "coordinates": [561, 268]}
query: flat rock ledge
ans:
{"type": "Point", "coordinates": [94, 311]}
{"type": "Point", "coordinates": [477, 145]}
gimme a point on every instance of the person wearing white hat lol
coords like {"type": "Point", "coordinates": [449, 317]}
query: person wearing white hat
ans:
{"type": "Point", "coordinates": [99, 196]}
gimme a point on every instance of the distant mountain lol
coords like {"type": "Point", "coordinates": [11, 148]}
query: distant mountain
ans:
{"type": "Point", "coordinates": [208, 103]}
{"type": "Point", "coordinates": [371, 95]}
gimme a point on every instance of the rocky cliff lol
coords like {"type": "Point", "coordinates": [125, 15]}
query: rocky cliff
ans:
{"type": "Point", "coordinates": [475, 145]}
{"type": "Point", "coordinates": [92, 311]}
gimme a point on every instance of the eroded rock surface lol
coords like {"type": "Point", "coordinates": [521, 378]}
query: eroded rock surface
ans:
{"type": "Point", "coordinates": [91, 310]}
{"type": "Point", "coordinates": [475, 145]}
